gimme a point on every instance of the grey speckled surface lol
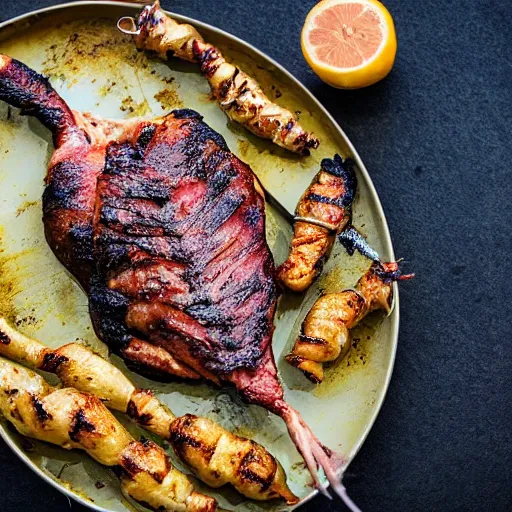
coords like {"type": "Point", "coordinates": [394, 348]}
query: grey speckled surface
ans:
{"type": "Point", "coordinates": [436, 138]}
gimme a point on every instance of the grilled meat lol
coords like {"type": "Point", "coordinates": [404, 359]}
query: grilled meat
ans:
{"type": "Point", "coordinates": [328, 202]}
{"type": "Point", "coordinates": [216, 455]}
{"type": "Point", "coordinates": [164, 228]}
{"type": "Point", "coordinates": [325, 331]}
{"type": "Point", "coordinates": [239, 95]}
{"type": "Point", "coordinates": [75, 420]}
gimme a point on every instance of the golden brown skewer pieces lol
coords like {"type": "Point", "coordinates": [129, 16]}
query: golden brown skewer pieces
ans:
{"type": "Point", "coordinates": [216, 455]}
{"type": "Point", "coordinates": [328, 200]}
{"type": "Point", "coordinates": [75, 420]}
{"type": "Point", "coordinates": [239, 95]}
{"type": "Point", "coordinates": [325, 330]}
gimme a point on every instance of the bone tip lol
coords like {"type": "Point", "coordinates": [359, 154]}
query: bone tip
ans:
{"type": "Point", "coordinates": [340, 490]}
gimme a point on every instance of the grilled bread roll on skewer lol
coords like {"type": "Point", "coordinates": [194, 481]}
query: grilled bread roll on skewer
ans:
{"type": "Point", "coordinates": [325, 330]}
{"type": "Point", "coordinates": [216, 455]}
{"type": "Point", "coordinates": [239, 95]}
{"type": "Point", "coordinates": [75, 420]}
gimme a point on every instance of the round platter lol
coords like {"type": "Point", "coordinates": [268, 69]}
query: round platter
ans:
{"type": "Point", "coordinates": [96, 68]}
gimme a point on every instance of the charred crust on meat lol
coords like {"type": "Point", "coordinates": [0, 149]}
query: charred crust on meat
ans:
{"type": "Point", "coordinates": [81, 238]}
{"type": "Point", "coordinates": [52, 361]}
{"type": "Point", "coordinates": [22, 87]}
{"type": "Point", "coordinates": [41, 413]}
{"type": "Point", "coordinates": [4, 339]}
{"type": "Point", "coordinates": [80, 426]}
{"type": "Point", "coordinates": [139, 218]}
{"type": "Point", "coordinates": [65, 186]}
{"type": "Point", "coordinates": [145, 136]}
{"type": "Point", "coordinates": [343, 169]}
{"type": "Point", "coordinates": [186, 113]}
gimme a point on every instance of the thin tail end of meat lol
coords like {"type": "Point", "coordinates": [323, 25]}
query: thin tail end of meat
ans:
{"type": "Point", "coordinates": [315, 454]}
{"type": "Point", "coordinates": [23, 88]}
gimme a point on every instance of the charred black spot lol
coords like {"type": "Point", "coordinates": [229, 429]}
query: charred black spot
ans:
{"type": "Point", "coordinates": [80, 425]}
{"type": "Point", "coordinates": [352, 240]}
{"type": "Point", "coordinates": [130, 466]}
{"type": "Point", "coordinates": [41, 413]}
{"type": "Point", "coordinates": [52, 361]}
{"type": "Point", "coordinates": [253, 216]}
{"type": "Point", "coordinates": [312, 377]}
{"type": "Point", "coordinates": [208, 62]}
{"type": "Point", "coordinates": [312, 340]}
{"type": "Point", "coordinates": [186, 113]}
{"type": "Point", "coordinates": [22, 87]}
{"type": "Point", "coordinates": [15, 414]}
{"type": "Point", "coordinates": [345, 170]}
{"type": "Point", "coordinates": [4, 339]}
{"type": "Point", "coordinates": [247, 474]}
{"type": "Point", "coordinates": [145, 419]}
{"type": "Point", "coordinates": [201, 132]}
{"type": "Point", "coordinates": [224, 174]}
{"type": "Point", "coordinates": [206, 314]}
{"type": "Point", "coordinates": [294, 360]}
{"type": "Point", "coordinates": [11, 392]}
{"type": "Point", "coordinates": [145, 136]}
{"type": "Point", "coordinates": [87, 136]}
{"type": "Point", "coordinates": [81, 238]}
{"type": "Point", "coordinates": [180, 439]}
{"type": "Point", "coordinates": [133, 412]}
{"type": "Point", "coordinates": [68, 178]}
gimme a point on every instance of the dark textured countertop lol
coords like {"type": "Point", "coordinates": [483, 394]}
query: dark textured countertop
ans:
{"type": "Point", "coordinates": [436, 138]}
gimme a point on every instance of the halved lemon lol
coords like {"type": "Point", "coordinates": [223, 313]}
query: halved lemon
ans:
{"type": "Point", "coordinates": [349, 43]}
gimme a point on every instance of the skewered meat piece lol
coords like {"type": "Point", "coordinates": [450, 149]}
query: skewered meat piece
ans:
{"type": "Point", "coordinates": [323, 213]}
{"type": "Point", "coordinates": [328, 202]}
{"type": "Point", "coordinates": [75, 420]}
{"type": "Point", "coordinates": [325, 331]}
{"type": "Point", "coordinates": [165, 230]}
{"type": "Point", "coordinates": [216, 455]}
{"type": "Point", "coordinates": [239, 95]}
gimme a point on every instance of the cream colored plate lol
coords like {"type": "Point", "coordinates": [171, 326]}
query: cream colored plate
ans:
{"type": "Point", "coordinates": [97, 69]}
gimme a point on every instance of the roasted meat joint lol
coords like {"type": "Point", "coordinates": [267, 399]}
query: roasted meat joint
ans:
{"type": "Point", "coordinates": [164, 228]}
